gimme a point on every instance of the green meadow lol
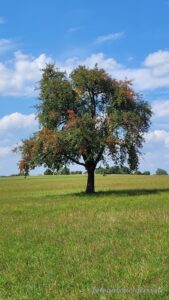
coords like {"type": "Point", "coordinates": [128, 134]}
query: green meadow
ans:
{"type": "Point", "coordinates": [56, 242]}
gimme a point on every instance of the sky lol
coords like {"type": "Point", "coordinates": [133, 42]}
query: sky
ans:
{"type": "Point", "coordinates": [128, 38]}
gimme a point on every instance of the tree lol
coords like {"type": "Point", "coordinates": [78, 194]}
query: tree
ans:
{"type": "Point", "coordinates": [161, 172]}
{"type": "Point", "coordinates": [86, 117]}
{"type": "Point", "coordinates": [23, 167]}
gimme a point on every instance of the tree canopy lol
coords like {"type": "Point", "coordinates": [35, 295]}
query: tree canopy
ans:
{"type": "Point", "coordinates": [160, 171]}
{"type": "Point", "coordinates": [85, 118]}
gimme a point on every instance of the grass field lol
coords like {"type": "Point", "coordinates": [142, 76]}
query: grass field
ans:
{"type": "Point", "coordinates": [58, 243]}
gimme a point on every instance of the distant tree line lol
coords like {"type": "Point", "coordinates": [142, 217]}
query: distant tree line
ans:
{"type": "Point", "coordinates": [142, 173]}
{"type": "Point", "coordinates": [113, 170]}
{"type": "Point", "coordinates": [119, 170]}
{"type": "Point", "coordinates": [63, 171]}
{"type": "Point", "coordinates": [103, 171]}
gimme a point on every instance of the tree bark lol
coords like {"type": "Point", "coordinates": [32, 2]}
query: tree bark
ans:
{"type": "Point", "coordinates": [90, 188]}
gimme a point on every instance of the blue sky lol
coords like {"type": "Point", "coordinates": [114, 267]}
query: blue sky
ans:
{"type": "Point", "coordinates": [126, 37]}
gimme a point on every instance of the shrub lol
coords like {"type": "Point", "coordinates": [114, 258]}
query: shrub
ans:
{"type": "Point", "coordinates": [48, 172]}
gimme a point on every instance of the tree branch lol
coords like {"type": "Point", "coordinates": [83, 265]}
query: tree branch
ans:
{"type": "Point", "coordinates": [99, 154]}
{"type": "Point", "coordinates": [76, 161]}
{"type": "Point", "coordinates": [93, 102]}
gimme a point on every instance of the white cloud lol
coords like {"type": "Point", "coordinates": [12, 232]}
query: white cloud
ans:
{"type": "Point", "coordinates": [157, 58]}
{"type": "Point", "coordinates": [158, 136]}
{"type": "Point", "coordinates": [156, 151]}
{"type": "Point", "coordinates": [20, 75]}
{"type": "Point", "coordinates": [109, 37]}
{"type": "Point", "coordinates": [161, 108]}
{"type": "Point", "coordinates": [15, 126]}
{"type": "Point", "coordinates": [109, 64]}
{"type": "Point", "coordinates": [17, 121]}
{"type": "Point", "coordinates": [159, 62]}
{"type": "Point", "coordinates": [149, 76]}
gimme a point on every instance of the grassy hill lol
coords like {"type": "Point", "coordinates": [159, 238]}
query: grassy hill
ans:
{"type": "Point", "coordinates": [58, 243]}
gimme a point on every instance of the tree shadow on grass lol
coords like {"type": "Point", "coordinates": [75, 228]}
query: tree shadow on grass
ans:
{"type": "Point", "coordinates": [105, 194]}
{"type": "Point", "coordinates": [119, 193]}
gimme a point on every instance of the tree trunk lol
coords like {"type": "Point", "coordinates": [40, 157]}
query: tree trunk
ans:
{"type": "Point", "coordinates": [90, 181]}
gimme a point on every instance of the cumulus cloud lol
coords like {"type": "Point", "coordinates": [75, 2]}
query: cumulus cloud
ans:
{"type": "Point", "coordinates": [161, 108]}
{"type": "Point", "coordinates": [153, 73]}
{"type": "Point", "coordinates": [14, 124]}
{"type": "Point", "coordinates": [157, 136]}
{"type": "Point", "coordinates": [108, 64]}
{"type": "Point", "coordinates": [14, 128]}
{"type": "Point", "coordinates": [17, 121]}
{"type": "Point", "coordinates": [18, 77]}
{"type": "Point", "coordinates": [157, 58]}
